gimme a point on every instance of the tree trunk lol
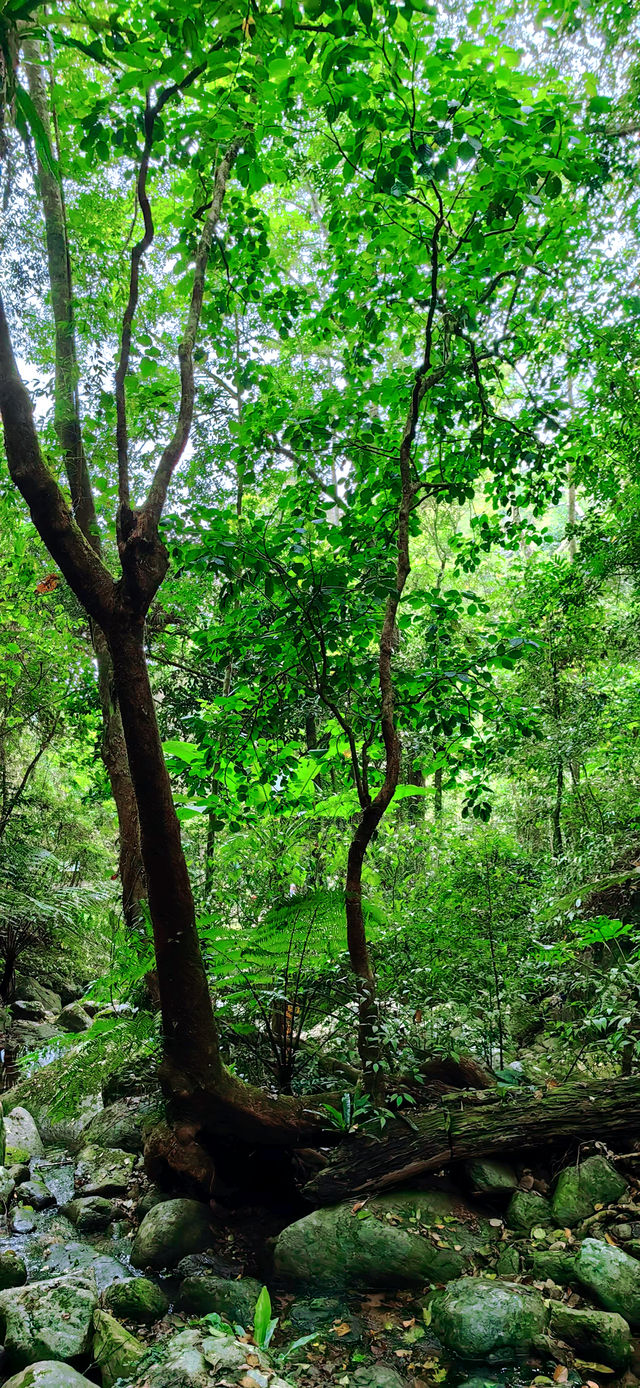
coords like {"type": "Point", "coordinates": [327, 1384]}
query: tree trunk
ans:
{"type": "Point", "coordinates": [478, 1124]}
{"type": "Point", "coordinates": [369, 1049]}
{"type": "Point", "coordinates": [557, 846]}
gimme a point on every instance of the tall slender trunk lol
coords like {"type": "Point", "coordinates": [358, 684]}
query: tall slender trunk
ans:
{"type": "Point", "coordinates": [68, 427]}
{"type": "Point", "coordinates": [557, 846]}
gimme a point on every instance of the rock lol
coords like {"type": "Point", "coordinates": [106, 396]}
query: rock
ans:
{"type": "Point", "coordinates": [613, 1278]}
{"type": "Point", "coordinates": [153, 1197]}
{"type": "Point", "coordinates": [8, 1184]}
{"type": "Point", "coordinates": [491, 1177]}
{"type": "Point", "coordinates": [508, 1264]}
{"type": "Point", "coordinates": [21, 1135]}
{"type": "Point", "coordinates": [600, 1335]}
{"type": "Point", "coordinates": [137, 1299]}
{"type": "Point", "coordinates": [22, 1220]}
{"type": "Point", "coordinates": [124, 1123]}
{"type": "Point", "coordinates": [25, 1011]}
{"type": "Point", "coordinates": [101, 1172]}
{"type": "Point", "coordinates": [18, 1173]}
{"type": "Point", "coordinates": [35, 1193]}
{"type": "Point", "coordinates": [116, 1352]}
{"type": "Point", "coordinates": [63, 1258]}
{"type": "Point", "coordinates": [13, 1272]}
{"type": "Point", "coordinates": [377, 1376]}
{"type": "Point", "coordinates": [196, 1264]}
{"type": "Point", "coordinates": [323, 1315]}
{"type": "Point", "coordinates": [196, 1359]}
{"type": "Point", "coordinates": [48, 1374]}
{"type": "Point", "coordinates": [386, 1244]}
{"type": "Point", "coordinates": [69, 991]}
{"type": "Point", "coordinates": [33, 991]}
{"type": "Point", "coordinates": [74, 1018]}
{"type": "Point", "coordinates": [170, 1231]}
{"type": "Point", "coordinates": [474, 1317]}
{"type": "Point", "coordinates": [139, 1077]}
{"type": "Point", "coordinates": [580, 1188]}
{"type": "Point", "coordinates": [90, 1212]}
{"type": "Point", "coordinates": [559, 1266]}
{"type": "Point", "coordinates": [235, 1300]}
{"type": "Point", "coordinates": [33, 1036]}
{"type": "Point", "coordinates": [527, 1209]}
{"type": "Point", "coordinates": [48, 1320]}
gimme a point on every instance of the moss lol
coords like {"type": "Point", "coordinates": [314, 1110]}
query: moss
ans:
{"type": "Point", "coordinates": [17, 1156]}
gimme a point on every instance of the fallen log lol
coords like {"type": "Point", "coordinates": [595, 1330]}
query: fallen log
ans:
{"type": "Point", "coordinates": [476, 1124]}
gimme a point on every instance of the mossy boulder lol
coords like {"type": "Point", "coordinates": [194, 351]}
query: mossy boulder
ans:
{"type": "Point", "coordinates": [600, 1335]}
{"type": "Point", "coordinates": [527, 1209]}
{"type": "Point", "coordinates": [35, 1193]}
{"type": "Point", "coordinates": [74, 1018]}
{"type": "Point", "coordinates": [23, 1141]}
{"type": "Point", "coordinates": [580, 1188]}
{"type": "Point", "coordinates": [90, 1212]}
{"type": "Point", "coordinates": [48, 1374]}
{"type": "Point", "coordinates": [57, 1259]}
{"type": "Point", "coordinates": [170, 1231]}
{"type": "Point", "coordinates": [48, 1320]}
{"type": "Point", "coordinates": [125, 1123]}
{"type": "Point", "coordinates": [236, 1300]}
{"type": "Point", "coordinates": [13, 1271]}
{"type": "Point", "coordinates": [196, 1359]}
{"type": "Point", "coordinates": [403, 1239]}
{"type": "Point", "coordinates": [487, 1177]}
{"type": "Point", "coordinates": [116, 1352]}
{"type": "Point", "coordinates": [8, 1184]}
{"type": "Point", "coordinates": [475, 1318]}
{"type": "Point", "coordinates": [102, 1171]}
{"type": "Point", "coordinates": [612, 1277]}
{"type": "Point", "coordinates": [137, 1299]}
{"type": "Point", "coordinates": [556, 1264]}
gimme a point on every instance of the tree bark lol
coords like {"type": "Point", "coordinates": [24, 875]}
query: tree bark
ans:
{"type": "Point", "coordinates": [478, 1124]}
{"type": "Point", "coordinates": [68, 427]}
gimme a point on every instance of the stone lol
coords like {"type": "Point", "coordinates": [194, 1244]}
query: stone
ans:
{"type": "Point", "coordinates": [18, 1173]}
{"type": "Point", "coordinates": [196, 1359]}
{"type": "Point", "coordinates": [527, 1209]}
{"type": "Point", "coordinates": [559, 1266]}
{"type": "Point", "coordinates": [69, 991]}
{"type": "Point", "coordinates": [48, 1374]}
{"type": "Point", "coordinates": [48, 1320]}
{"type": "Point", "coordinates": [475, 1317]}
{"type": "Point", "coordinates": [235, 1300]}
{"type": "Point", "coordinates": [116, 1352]}
{"type": "Point", "coordinates": [103, 1172]}
{"type": "Point", "coordinates": [33, 991]}
{"type": "Point", "coordinates": [612, 1277]}
{"type": "Point", "coordinates": [33, 1036]}
{"type": "Point", "coordinates": [488, 1177]}
{"type": "Point", "coordinates": [27, 1011]}
{"type": "Point", "coordinates": [69, 1257]}
{"type": "Point", "coordinates": [377, 1376]}
{"type": "Point", "coordinates": [170, 1231]}
{"type": "Point", "coordinates": [124, 1123]}
{"type": "Point", "coordinates": [21, 1135]}
{"type": "Point", "coordinates": [74, 1018]}
{"type": "Point", "coordinates": [90, 1212]}
{"type": "Point", "coordinates": [600, 1335]}
{"type": "Point", "coordinates": [152, 1198]}
{"type": "Point", "coordinates": [13, 1272]}
{"type": "Point", "coordinates": [35, 1193]}
{"type": "Point", "coordinates": [580, 1188]}
{"type": "Point", "coordinates": [195, 1264]}
{"type": "Point", "coordinates": [386, 1244]}
{"type": "Point", "coordinates": [22, 1220]}
{"type": "Point", "coordinates": [323, 1315]}
{"type": "Point", "coordinates": [137, 1299]}
{"type": "Point", "coordinates": [508, 1264]}
{"type": "Point", "coordinates": [8, 1184]}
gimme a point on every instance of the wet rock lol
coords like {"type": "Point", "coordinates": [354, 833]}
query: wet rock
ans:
{"type": "Point", "coordinates": [612, 1277]}
{"type": "Point", "coordinates": [124, 1123]}
{"type": "Point", "coordinates": [600, 1335]}
{"type": "Point", "coordinates": [90, 1212]}
{"type": "Point", "coordinates": [488, 1177]}
{"type": "Point", "coordinates": [137, 1299]}
{"type": "Point", "coordinates": [195, 1264]}
{"type": "Point", "coordinates": [13, 1272]}
{"type": "Point", "coordinates": [33, 1036]}
{"type": "Point", "coordinates": [386, 1244]}
{"type": "Point", "coordinates": [324, 1316]}
{"type": "Point", "coordinates": [377, 1376]}
{"type": "Point", "coordinates": [22, 1220]}
{"type": "Point", "coordinates": [48, 1320]}
{"type": "Point", "coordinates": [170, 1231]}
{"type": "Point", "coordinates": [116, 1352]}
{"type": "Point", "coordinates": [69, 991]}
{"type": "Point", "coordinates": [196, 1359]}
{"type": "Point", "coordinates": [527, 1209]}
{"type": "Point", "coordinates": [559, 1266]}
{"type": "Point", "coordinates": [235, 1300]}
{"type": "Point", "coordinates": [48, 1374]}
{"type": "Point", "coordinates": [18, 1173]}
{"type": "Point", "coordinates": [475, 1318]}
{"type": "Point", "coordinates": [8, 1184]}
{"type": "Point", "coordinates": [74, 1018]}
{"type": "Point", "coordinates": [580, 1188]}
{"type": "Point", "coordinates": [35, 1193]}
{"type": "Point", "coordinates": [103, 1172]}
{"type": "Point", "coordinates": [21, 1135]}
{"type": "Point", "coordinates": [26, 1011]}
{"type": "Point", "coordinates": [33, 991]}
{"type": "Point", "coordinates": [508, 1264]}
{"type": "Point", "coordinates": [61, 1258]}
